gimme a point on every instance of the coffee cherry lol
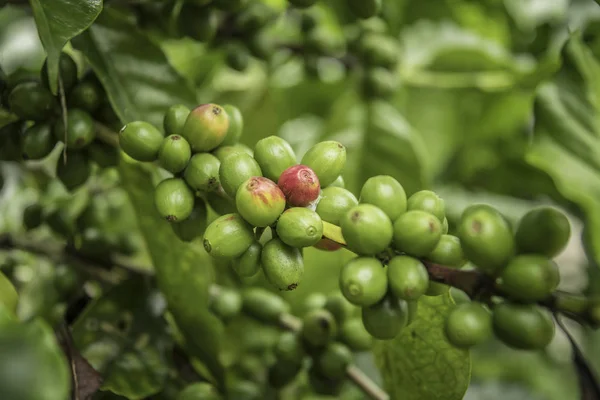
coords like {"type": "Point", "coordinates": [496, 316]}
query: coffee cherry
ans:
{"type": "Point", "coordinates": [544, 230]}
{"type": "Point", "coordinates": [226, 304]}
{"type": "Point", "coordinates": [75, 172]}
{"type": "Point", "coordinates": [174, 199]}
{"type": "Point", "coordinates": [31, 101]}
{"type": "Point", "coordinates": [263, 304]}
{"type": "Point", "coordinates": [523, 326]}
{"type": "Point", "coordinates": [274, 155]}
{"type": "Point", "coordinates": [339, 182]}
{"type": "Point", "coordinates": [327, 159]}
{"type": "Point", "coordinates": [67, 70]}
{"type": "Point", "coordinates": [313, 301]}
{"type": "Point", "coordinates": [244, 389]}
{"type": "Point", "coordinates": [104, 155]}
{"type": "Point", "coordinates": [379, 82]}
{"type": "Point", "coordinates": [248, 264]}
{"type": "Point", "coordinates": [228, 236]}
{"type": "Point", "coordinates": [230, 5]}
{"type": "Point", "coordinates": [335, 203]}
{"type": "Point", "coordinates": [140, 140]}
{"type": "Point", "coordinates": [80, 129]}
{"type": "Point", "coordinates": [447, 252]}
{"type": "Point", "coordinates": [364, 8]}
{"type": "Point", "coordinates": [417, 233]}
{"type": "Point", "coordinates": [339, 307]}
{"type": "Point", "coordinates": [235, 170]}
{"type": "Point", "coordinates": [260, 201]}
{"type": "Point", "coordinates": [428, 201]}
{"type": "Point", "coordinates": [302, 3]}
{"type": "Point", "coordinates": [87, 96]}
{"type": "Point", "coordinates": [318, 327]}
{"type": "Point", "coordinates": [289, 348]}
{"type": "Point", "coordinates": [175, 118]}
{"type": "Point", "coordinates": [408, 278]}
{"type": "Point", "coordinates": [198, 23]}
{"type": "Point", "coordinates": [206, 127]}
{"type": "Point", "coordinates": [237, 56]}
{"type": "Point", "coordinates": [32, 216]}
{"type": "Point", "coordinates": [468, 324]}
{"type": "Point", "coordinates": [386, 193]}
{"type": "Point", "coordinates": [300, 227]}
{"type": "Point", "coordinates": [236, 125]}
{"type": "Point", "coordinates": [222, 152]}
{"type": "Point", "coordinates": [436, 289]}
{"type": "Point", "coordinates": [322, 385]}
{"type": "Point", "coordinates": [363, 281]}
{"type": "Point", "coordinates": [529, 278]}
{"type": "Point", "coordinates": [38, 141]}
{"type": "Point", "coordinates": [377, 50]}
{"type": "Point", "coordinates": [282, 265]}
{"type": "Point", "coordinates": [355, 336]}
{"type": "Point", "coordinates": [282, 373]}
{"type": "Point", "coordinates": [193, 226]}
{"type": "Point", "coordinates": [367, 229]}
{"type": "Point", "coordinates": [174, 153]}
{"type": "Point", "coordinates": [202, 172]}
{"type": "Point", "coordinates": [300, 185]}
{"type": "Point", "coordinates": [386, 319]}
{"type": "Point", "coordinates": [332, 363]}
{"type": "Point", "coordinates": [486, 238]}
{"type": "Point", "coordinates": [199, 391]}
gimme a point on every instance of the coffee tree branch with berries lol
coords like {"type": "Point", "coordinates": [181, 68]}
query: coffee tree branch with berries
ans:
{"type": "Point", "coordinates": [299, 199]}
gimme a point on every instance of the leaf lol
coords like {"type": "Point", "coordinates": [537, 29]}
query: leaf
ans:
{"type": "Point", "coordinates": [58, 21]}
{"type": "Point", "coordinates": [140, 83]}
{"type": "Point", "coordinates": [419, 363]}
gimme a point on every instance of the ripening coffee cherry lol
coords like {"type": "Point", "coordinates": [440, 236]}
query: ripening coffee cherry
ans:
{"type": "Point", "coordinates": [140, 140]}
{"type": "Point", "coordinates": [202, 172]}
{"type": "Point", "coordinates": [468, 324]}
{"type": "Point", "coordinates": [302, 3]}
{"type": "Point", "coordinates": [364, 8]}
{"type": "Point", "coordinates": [223, 152]}
{"type": "Point", "coordinates": [104, 155]}
{"type": "Point", "coordinates": [339, 307]}
{"type": "Point", "coordinates": [33, 216]}
{"type": "Point", "coordinates": [274, 155]}
{"type": "Point", "coordinates": [248, 264]}
{"type": "Point", "coordinates": [543, 230]}
{"type": "Point", "coordinates": [174, 153]}
{"type": "Point", "coordinates": [529, 278]}
{"type": "Point", "coordinates": [408, 278]}
{"type": "Point", "coordinates": [175, 118]}
{"type": "Point", "coordinates": [199, 391]}
{"type": "Point", "coordinates": [282, 265]}
{"type": "Point", "coordinates": [318, 327]}
{"type": "Point", "coordinates": [260, 201]}
{"type": "Point", "coordinates": [193, 227]}
{"type": "Point", "coordinates": [428, 201]}
{"type": "Point", "coordinates": [80, 130]}
{"type": "Point", "coordinates": [417, 233]}
{"type": "Point", "coordinates": [327, 159]}
{"type": "Point", "coordinates": [332, 363]}
{"type": "Point", "coordinates": [486, 238]}
{"type": "Point", "coordinates": [386, 319]}
{"type": "Point", "coordinates": [228, 236]}
{"type": "Point", "coordinates": [31, 101]}
{"type": "Point", "coordinates": [226, 304]}
{"type": "Point", "coordinates": [263, 304]}
{"type": "Point", "coordinates": [206, 127]}
{"type": "Point", "coordinates": [75, 172]}
{"type": "Point", "coordinates": [335, 203]}
{"type": "Point", "coordinates": [523, 326]}
{"type": "Point", "coordinates": [289, 347]}
{"type": "Point", "coordinates": [355, 336]}
{"type": "Point", "coordinates": [67, 70]}
{"type": "Point", "coordinates": [235, 170]}
{"type": "Point", "coordinates": [282, 373]}
{"type": "Point", "coordinates": [236, 125]}
{"type": "Point", "coordinates": [300, 185]}
{"type": "Point", "coordinates": [363, 281]}
{"type": "Point", "coordinates": [174, 199]}
{"type": "Point", "coordinates": [386, 193]}
{"type": "Point", "coordinates": [367, 229]}
{"type": "Point", "coordinates": [447, 252]}
{"type": "Point", "coordinates": [38, 141]}
{"type": "Point", "coordinates": [87, 95]}
{"type": "Point", "coordinates": [300, 227]}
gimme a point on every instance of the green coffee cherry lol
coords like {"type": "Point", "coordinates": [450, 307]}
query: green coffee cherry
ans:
{"type": "Point", "coordinates": [248, 264]}
{"type": "Point", "coordinates": [355, 336]}
{"type": "Point", "coordinates": [544, 230]}
{"type": "Point", "coordinates": [244, 390]}
{"type": "Point", "coordinates": [202, 172]}
{"type": "Point", "coordinates": [282, 265]}
{"type": "Point", "coordinates": [289, 348]}
{"type": "Point", "coordinates": [87, 96]}
{"type": "Point", "coordinates": [437, 289]}
{"type": "Point", "coordinates": [75, 172]}
{"type": "Point", "coordinates": [237, 56]}
{"type": "Point", "coordinates": [459, 296]}
{"type": "Point", "coordinates": [417, 233]}
{"type": "Point", "coordinates": [38, 141]}
{"type": "Point", "coordinates": [174, 153]}
{"type": "Point", "coordinates": [339, 307]}
{"type": "Point", "coordinates": [322, 385]}
{"type": "Point", "coordinates": [363, 281]}
{"type": "Point", "coordinates": [364, 8]}
{"type": "Point", "coordinates": [523, 326]}
{"type": "Point", "coordinates": [327, 159]}
{"type": "Point", "coordinates": [230, 5]}
{"type": "Point", "coordinates": [199, 391]}
{"type": "Point", "coordinates": [175, 118]}
{"type": "Point", "coordinates": [260, 201]}
{"type": "Point", "coordinates": [226, 304]}
{"type": "Point", "coordinates": [80, 129]}
{"type": "Point", "coordinates": [386, 193]}
{"type": "Point", "coordinates": [302, 3]}
{"type": "Point", "coordinates": [468, 324]}
{"type": "Point", "coordinates": [486, 238]}
{"type": "Point", "coordinates": [283, 372]}
{"type": "Point", "coordinates": [379, 82]}
{"type": "Point", "coordinates": [428, 201]}
{"type": "Point", "coordinates": [447, 252]}
{"type": "Point", "coordinates": [62, 219]}
{"type": "Point", "coordinates": [379, 50]}
{"type": "Point", "coordinates": [206, 127]}
{"type": "Point", "coordinates": [313, 301]}
{"type": "Point", "coordinates": [174, 199]}
{"type": "Point", "coordinates": [263, 305]}
{"type": "Point", "coordinates": [140, 140]}
{"type": "Point", "coordinates": [335, 203]}
{"type": "Point", "coordinates": [407, 277]}
{"type": "Point", "coordinates": [67, 70]}
{"type": "Point", "coordinates": [386, 319]}
{"type": "Point", "coordinates": [228, 236]}
{"type": "Point", "coordinates": [222, 152]}
{"type": "Point", "coordinates": [332, 363]}
{"type": "Point", "coordinates": [318, 327]}
{"type": "Point", "coordinates": [235, 170]}
{"type": "Point", "coordinates": [300, 227]}
{"type": "Point", "coordinates": [32, 216]}
{"type": "Point", "coordinates": [339, 182]}
{"type": "Point", "coordinates": [193, 227]}
{"type": "Point", "coordinates": [31, 101]}
{"type": "Point", "coordinates": [104, 155]}
{"type": "Point", "coordinates": [529, 278]}
{"type": "Point", "coordinates": [366, 229]}
{"type": "Point", "coordinates": [198, 23]}
{"type": "Point", "coordinates": [274, 155]}
{"type": "Point", "coordinates": [236, 125]}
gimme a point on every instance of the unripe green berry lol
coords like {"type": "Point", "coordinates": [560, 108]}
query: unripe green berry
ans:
{"type": "Point", "coordinates": [206, 127]}
{"type": "Point", "coordinates": [428, 201]}
{"type": "Point", "coordinates": [318, 327]}
{"type": "Point", "coordinates": [363, 281]}
{"type": "Point", "coordinates": [197, 22]}
{"type": "Point", "coordinates": [282, 265]}
{"type": "Point", "coordinates": [226, 304]}
{"type": "Point", "coordinates": [380, 82]}
{"type": "Point", "coordinates": [354, 334]}
{"type": "Point", "coordinates": [31, 101]}
{"type": "Point", "coordinates": [364, 8]}
{"type": "Point", "coordinates": [237, 56]}
{"type": "Point", "coordinates": [32, 216]}
{"type": "Point", "coordinates": [175, 118]}
{"type": "Point", "coordinates": [333, 362]}
{"type": "Point", "coordinates": [104, 155]}
{"type": "Point", "coordinates": [300, 227]}
{"type": "Point", "coordinates": [386, 319]}
{"type": "Point", "coordinates": [366, 229]}
{"type": "Point", "coordinates": [67, 69]}
{"type": "Point", "coordinates": [80, 129]}
{"type": "Point", "coordinates": [543, 230]}
{"type": "Point", "coordinates": [335, 203]}
{"type": "Point", "coordinates": [38, 141]}
{"type": "Point", "coordinates": [327, 159]}
{"type": "Point", "coordinates": [174, 199]}
{"type": "Point", "coordinates": [302, 3]}
{"type": "Point", "coordinates": [523, 326]}
{"type": "Point", "coordinates": [274, 155]}
{"type": "Point", "coordinates": [468, 324]}
{"type": "Point", "coordinates": [377, 50]}
{"type": "Point", "coordinates": [408, 278]}
{"type": "Point", "coordinates": [323, 386]}
{"type": "Point", "coordinates": [313, 301]}
{"type": "Point", "coordinates": [282, 373]}
{"type": "Point", "coordinates": [87, 96]}
{"type": "Point", "coordinates": [289, 348]}
{"type": "Point", "coordinates": [236, 125]}
{"type": "Point", "coordinates": [222, 152]}
{"type": "Point", "coordinates": [260, 201]}
{"type": "Point", "coordinates": [199, 391]}
{"type": "Point", "coordinates": [339, 307]}
{"type": "Point", "coordinates": [194, 226]}
{"type": "Point", "coordinates": [448, 252]}
{"type": "Point", "coordinates": [174, 153]}
{"type": "Point", "coordinates": [386, 193]}
{"type": "Point", "coordinates": [202, 172]}
{"type": "Point", "coordinates": [248, 264]}
{"type": "Point", "coordinates": [75, 172]}
{"type": "Point", "coordinates": [529, 278]}
{"type": "Point", "coordinates": [263, 304]}
{"type": "Point", "coordinates": [235, 170]}
{"type": "Point", "coordinates": [417, 233]}
{"type": "Point", "coordinates": [140, 140]}
{"type": "Point", "coordinates": [228, 236]}
{"type": "Point", "coordinates": [339, 182]}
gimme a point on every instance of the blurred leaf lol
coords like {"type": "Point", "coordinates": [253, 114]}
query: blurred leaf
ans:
{"type": "Point", "coordinates": [58, 21]}
{"type": "Point", "coordinates": [38, 295]}
{"type": "Point", "coordinates": [139, 81]}
{"type": "Point", "coordinates": [528, 14]}
{"type": "Point", "coordinates": [420, 363]}
{"type": "Point", "coordinates": [20, 45]}
{"type": "Point", "coordinates": [493, 390]}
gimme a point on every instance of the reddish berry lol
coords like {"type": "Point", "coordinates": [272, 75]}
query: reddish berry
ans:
{"type": "Point", "coordinates": [300, 185]}
{"type": "Point", "coordinates": [260, 201]}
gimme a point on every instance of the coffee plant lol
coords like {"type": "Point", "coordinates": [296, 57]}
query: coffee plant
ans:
{"type": "Point", "coordinates": [299, 199]}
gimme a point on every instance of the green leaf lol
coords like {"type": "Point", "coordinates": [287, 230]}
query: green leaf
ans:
{"type": "Point", "coordinates": [140, 83]}
{"type": "Point", "coordinates": [419, 363]}
{"type": "Point", "coordinates": [123, 335]}
{"type": "Point", "coordinates": [58, 21]}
